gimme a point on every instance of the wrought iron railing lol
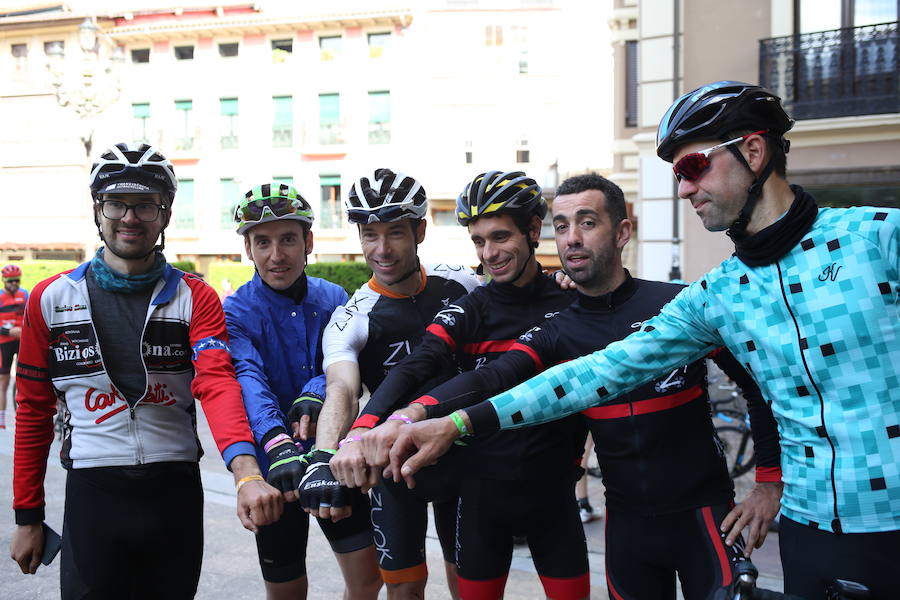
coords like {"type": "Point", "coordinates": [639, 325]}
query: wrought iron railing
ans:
{"type": "Point", "coordinates": [837, 73]}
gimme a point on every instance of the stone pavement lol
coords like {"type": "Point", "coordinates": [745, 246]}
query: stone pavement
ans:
{"type": "Point", "coordinates": [230, 568]}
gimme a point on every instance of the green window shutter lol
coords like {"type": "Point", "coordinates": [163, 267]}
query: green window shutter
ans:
{"type": "Point", "coordinates": [184, 104]}
{"type": "Point", "coordinates": [141, 111]}
{"type": "Point", "coordinates": [379, 107]}
{"type": "Point", "coordinates": [329, 180]}
{"type": "Point", "coordinates": [184, 205]}
{"type": "Point", "coordinates": [329, 109]}
{"type": "Point", "coordinates": [229, 106]}
{"type": "Point", "coordinates": [284, 110]}
{"type": "Point", "coordinates": [284, 180]}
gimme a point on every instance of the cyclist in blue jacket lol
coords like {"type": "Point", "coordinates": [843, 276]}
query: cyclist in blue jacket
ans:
{"type": "Point", "coordinates": [275, 323]}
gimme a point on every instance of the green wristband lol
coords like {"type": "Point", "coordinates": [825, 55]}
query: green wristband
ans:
{"type": "Point", "coordinates": [460, 424]}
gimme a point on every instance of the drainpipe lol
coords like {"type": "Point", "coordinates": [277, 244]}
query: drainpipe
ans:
{"type": "Point", "coordinates": [675, 273]}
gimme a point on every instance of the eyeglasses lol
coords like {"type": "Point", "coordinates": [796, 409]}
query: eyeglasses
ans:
{"type": "Point", "coordinates": [383, 214]}
{"type": "Point", "coordinates": [278, 206]}
{"type": "Point", "coordinates": [692, 166]}
{"type": "Point", "coordinates": [145, 211]}
{"type": "Point", "coordinates": [10, 281]}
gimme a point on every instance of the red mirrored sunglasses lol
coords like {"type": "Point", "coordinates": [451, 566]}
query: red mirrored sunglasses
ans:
{"type": "Point", "coordinates": [692, 166]}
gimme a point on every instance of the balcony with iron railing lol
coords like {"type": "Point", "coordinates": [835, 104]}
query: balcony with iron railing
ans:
{"type": "Point", "coordinates": [837, 73]}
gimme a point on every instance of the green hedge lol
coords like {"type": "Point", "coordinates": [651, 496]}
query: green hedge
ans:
{"type": "Point", "coordinates": [35, 271]}
{"type": "Point", "coordinates": [347, 275]}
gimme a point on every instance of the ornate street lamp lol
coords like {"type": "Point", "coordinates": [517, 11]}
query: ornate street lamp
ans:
{"type": "Point", "coordinates": [90, 85]}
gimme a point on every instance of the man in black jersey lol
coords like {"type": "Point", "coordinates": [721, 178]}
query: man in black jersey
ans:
{"type": "Point", "coordinates": [382, 322]}
{"type": "Point", "coordinates": [668, 490]}
{"type": "Point", "coordinates": [507, 480]}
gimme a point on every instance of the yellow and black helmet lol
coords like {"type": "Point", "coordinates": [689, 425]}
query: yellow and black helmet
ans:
{"type": "Point", "coordinates": [498, 192]}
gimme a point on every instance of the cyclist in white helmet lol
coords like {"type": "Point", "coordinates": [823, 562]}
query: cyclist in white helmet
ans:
{"type": "Point", "coordinates": [126, 342]}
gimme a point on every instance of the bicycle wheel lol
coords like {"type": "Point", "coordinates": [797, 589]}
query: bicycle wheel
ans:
{"type": "Point", "coordinates": [737, 448]}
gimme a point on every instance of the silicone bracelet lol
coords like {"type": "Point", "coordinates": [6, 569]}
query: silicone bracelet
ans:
{"type": "Point", "coordinates": [460, 424]}
{"type": "Point", "coordinates": [281, 437]}
{"type": "Point", "coordinates": [244, 480]}
{"type": "Point", "coordinates": [401, 417]}
{"type": "Point", "coordinates": [347, 440]}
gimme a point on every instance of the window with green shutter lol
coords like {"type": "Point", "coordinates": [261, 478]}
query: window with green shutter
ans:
{"type": "Point", "coordinates": [140, 113]}
{"type": "Point", "coordinates": [283, 121]}
{"type": "Point", "coordinates": [330, 119]}
{"type": "Point", "coordinates": [379, 117]}
{"type": "Point", "coordinates": [228, 107]}
{"type": "Point", "coordinates": [183, 208]}
{"type": "Point", "coordinates": [330, 214]}
{"type": "Point", "coordinates": [184, 128]}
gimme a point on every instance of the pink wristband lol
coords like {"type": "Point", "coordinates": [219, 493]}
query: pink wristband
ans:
{"type": "Point", "coordinates": [281, 437]}
{"type": "Point", "coordinates": [347, 440]}
{"type": "Point", "coordinates": [400, 417]}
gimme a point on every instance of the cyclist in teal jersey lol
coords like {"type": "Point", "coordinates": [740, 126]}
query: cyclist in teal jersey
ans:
{"type": "Point", "coordinates": [809, 305]}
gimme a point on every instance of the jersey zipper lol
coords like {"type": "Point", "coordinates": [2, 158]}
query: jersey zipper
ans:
{"type": "Point", "coordinates": [836, 522]}
{"type": "Point", "coordinates": [137, 433]}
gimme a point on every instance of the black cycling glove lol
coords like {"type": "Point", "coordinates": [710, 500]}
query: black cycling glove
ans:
{"type": "Point", "coordinates": [309, 404]}
{"type": "Point", "coordinates": [286, 467]}
{"type": "Point", "coordinates": [319, 488]}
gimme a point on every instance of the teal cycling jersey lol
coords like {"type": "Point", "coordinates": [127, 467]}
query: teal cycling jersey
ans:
{"type": "Point", "coordinates": [819, 330]}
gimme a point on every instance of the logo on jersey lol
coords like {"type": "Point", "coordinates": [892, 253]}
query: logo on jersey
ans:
{"type": "Point", "coordinates": [108, 403]}
{"type": "Point", "coordinates": [69, 308]}
{"type": "Point", "coordinates": [399, 351]}
{"type": "Point", "coordinates": [528, 335]}
{"type": "Point", "coordinates": [377, 534]}
{"type": "Point", "coordinates": [447, 315]}
{"type": "Point", "coordinates": [74, 350]}
{"type": "Point", "coordinates": [674, 381]}
{"type": "Point", "coordinates": [830, 272]}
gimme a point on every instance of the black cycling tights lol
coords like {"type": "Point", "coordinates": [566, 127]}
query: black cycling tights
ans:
{"type": "Point", "coordinates": [133, 533]}
{"type": "Point", "coordinates": [644, 554]}
{"type": "Point", "coordinates": [812, 558]}
{"type": "Point", "coordinates": [492, 512]}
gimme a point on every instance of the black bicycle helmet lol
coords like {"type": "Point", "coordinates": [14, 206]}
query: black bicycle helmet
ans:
{"type": "Point", "coordinates": [718, 109]}
{"type": "Point", "coordinates": [385, 197]}
{"type": "Point", "coordinates": [133, 168]}
{"type": "Point", "coordinates": [498, 192]}
{"type": "Point", "coordinates": [715, 112]}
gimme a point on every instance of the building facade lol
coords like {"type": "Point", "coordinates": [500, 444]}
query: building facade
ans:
{"type": "Point", "coordinates": [833, 62]}
{"type": "Point", "coordinates": [315, 95]}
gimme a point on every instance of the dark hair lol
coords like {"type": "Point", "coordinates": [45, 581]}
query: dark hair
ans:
{"type": "Point", "coordinates": [615, 199]}
{"type": "Point", "coordinates": [306, 227]}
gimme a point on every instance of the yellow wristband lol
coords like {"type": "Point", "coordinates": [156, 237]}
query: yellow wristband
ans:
{"type": "Point", "coordinates": [244, 480]}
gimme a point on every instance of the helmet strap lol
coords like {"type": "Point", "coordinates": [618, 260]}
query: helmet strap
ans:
{"type": "Point", "coordinates": [738, 229]}
{"type": "Point", "coordinates": [413, 271]}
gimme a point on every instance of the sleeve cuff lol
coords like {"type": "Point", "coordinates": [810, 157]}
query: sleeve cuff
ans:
{"type": "Point", "coordinates": [425, 401]}
{"type": "Point", "coordinates": [483, 417]}
{"type": "Point", "coordinates": [367, 421]}
{"type": "Point", "coordinates": [236, 449]}
{"type": "Point", "coordinates": [29, 516]}
{"type": "Point", "coordinates": [275, 431]}
{"type": "Point", "coordinates": [768, 474]}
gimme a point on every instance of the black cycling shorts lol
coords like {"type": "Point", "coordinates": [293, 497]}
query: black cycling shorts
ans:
{"type": "Point", "coordinates": [400, 522]}
{"type": "Point", "coordinates": [812, 558]}
{"type": "Point", "coordinates": [492, 512]}
{"type": "Point", "coordinates": [7, 351]}
{"type": "Point", "coordinates": [132, 532]}
{"type": "Point", "coordinates": [644, 553]}
{"type": "Point", "coordinates": [281, 546]}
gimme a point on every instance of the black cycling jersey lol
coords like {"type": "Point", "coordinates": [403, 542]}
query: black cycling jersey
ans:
{"type": "Point", "coordinates": [378, 328]}
{"type": "Point", "coordinates": [656, 446]}
{"type": "Point", "coordinates": [471, 333]}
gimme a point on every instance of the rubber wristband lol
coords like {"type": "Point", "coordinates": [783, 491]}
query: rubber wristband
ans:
{"type": "Point", "coordinates": [401, 417]}
{"type": "Point", "coordinates": [460, 424]}
{"type": "Point", "coordinates": [244, 480]}
{"type": "Point", "coordinates": [331, 451]}
{"type": "Point", "coordinates": [347, 440]}
{"type": "Point", "coordinates": [281, 437]}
